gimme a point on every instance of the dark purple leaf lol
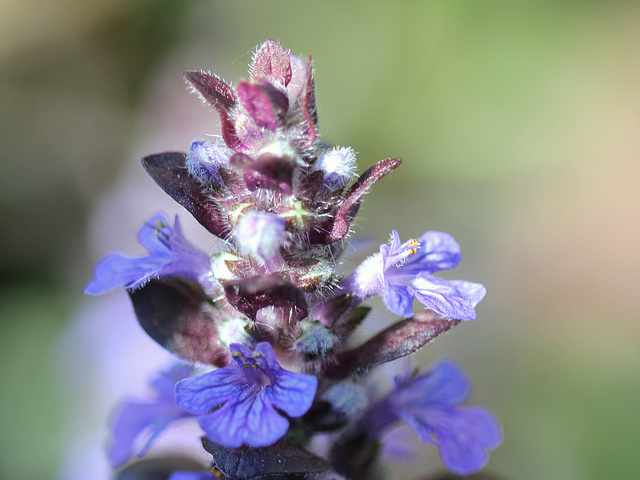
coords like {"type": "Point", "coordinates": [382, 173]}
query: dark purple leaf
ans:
{"type": "Point", "coordinates": [264, 103]}
{"type": "Point", "coordinates": [398, 340]}
{"type": "Point", "coordinates": [212, 89]}
{"type": "Point", "coordinates": [309, 105]}
{"type": "Point", "coordinates": [158, 468]}
{"type": "Point", "coordinates": [348, 208]}
{"type": "Point", "coordinates": [330, 311]}
{"type": "Point", "coordinates": [307, 185]}
{"type": "Point", "coordinates": [168, 170]}
{"type": "Point", "coordinates": [281, 458]}
{"type": "Point", "coordinates": [272, 61]}
{"type": "Point", "coordinates": [178, 315]}
{"type": "Point", "coordinates": [268, 171]}
{"type": "Point", "coordinates": [251, 294]}
{"type": "Point", "coordinates": [232, 179]}
{"type": "Point", "coordinates": [221, 97]}
{"type": "Point", "coordinates": [347, 323]}
{"type": "Point", "coordinates": [240, 160]}
{"type": "Point", "coordinates": [354, 455]}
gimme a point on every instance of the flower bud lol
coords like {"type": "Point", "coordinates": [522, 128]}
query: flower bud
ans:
{"type": "Point", "coordinates": [260, 235]}
{"type": "Point", "coordinates": [337, 165]}
{"type": "Point", "coordinates": [204, 162]}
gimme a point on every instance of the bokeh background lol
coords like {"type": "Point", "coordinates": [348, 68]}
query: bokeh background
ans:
{"type": "Point", "coordinates": [519, 125]}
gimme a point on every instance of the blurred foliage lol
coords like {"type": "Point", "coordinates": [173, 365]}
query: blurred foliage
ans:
{"type": "Point", "coordinates": [518, 126]}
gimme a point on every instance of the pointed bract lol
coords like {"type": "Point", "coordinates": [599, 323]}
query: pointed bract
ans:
{"type": "Point", "coordinates": [400, 339]}
{"type": "Point", "coordinates": [179, 316]}
{"type": "Point", "coordinates": [271, 61]}
{"type": "Point", "coordinates": [170, 172]}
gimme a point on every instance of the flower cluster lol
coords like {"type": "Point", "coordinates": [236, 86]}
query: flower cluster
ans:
{"type": "Point", "coordinates": [265, 323]}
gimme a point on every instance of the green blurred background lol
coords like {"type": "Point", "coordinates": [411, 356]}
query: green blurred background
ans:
{"type": "Point", "coordinates": [519, 125]}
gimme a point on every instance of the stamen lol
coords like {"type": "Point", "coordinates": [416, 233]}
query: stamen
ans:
{"type": "Point", "coordinates": [257, 354]}
{"type": "Point", "coordinates": [216, 473]}
{"type": "Point", "coordinates": [413, 243]}
{"type": "Point", "coordinates": [237, 354]}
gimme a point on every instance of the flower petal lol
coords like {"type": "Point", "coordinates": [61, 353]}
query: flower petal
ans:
{"type": "Point", "coordinates": [465, 436]}
{"type": "Point", "coordinates": [132, 421]}
{"type": "Point", "coordinates": [148, 235]}
{"type": "Point", "coordinates": [449, 298]}
{"type": "Point", "coordinates": [398, 299]}
{"type": "Point", "coordinates": [249, 420]}
{"type": "Point", "coordinates": [293, 393]}
{"type": "Point", "coordinates": [438, 251]}
{"type": "Point", "coordinates": [198, 395]}
{"type": "Point", "coordinates": [117, 270]}
{"type": "Point", "coordinates": [446, 383]}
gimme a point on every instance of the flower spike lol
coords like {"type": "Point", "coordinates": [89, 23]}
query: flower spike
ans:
{"type": "Point", "coordinates": [269, 314]}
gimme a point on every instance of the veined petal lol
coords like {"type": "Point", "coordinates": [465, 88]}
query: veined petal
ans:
{"type": "Point", "coordinates": [464, 435]}
{"type": "Point", "coordinates": [249, 420]}
{"type": "Point", "coordinates": [117, 270]}
{"type": "Point", "coordinates": [200, 394]}
{"type": "Point", "coordinates": [449, 298]}
{"type": "Point", "coordinates": [293, 393]}
{"type": "Point", "coordinates": [247, 390]}
{"type": "Point", "coordinates": [438, 251]}
{"type": "Point", "coordinates": [445, 383]}
{"type": "Point", "coordinates": [398, 299]}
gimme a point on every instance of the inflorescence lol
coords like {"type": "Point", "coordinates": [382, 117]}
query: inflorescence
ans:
{"type": "Point", "coordinates": [263, 326]}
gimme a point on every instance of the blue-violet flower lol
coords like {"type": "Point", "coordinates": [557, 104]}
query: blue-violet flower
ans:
{"type": "Point", "coordinates": [430, 404]}
{"type": "Point", "coordinates": [403, 271]}
{"type": "Point", "coordinates": [247, 392]}
{"type": "Point", "coordinates": [139, 419]}
{"type": "Point", "coordinates": [169, 254]}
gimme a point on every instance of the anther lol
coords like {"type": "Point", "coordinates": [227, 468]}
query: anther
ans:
{"type": "Point", "coordinates": [413, 243]}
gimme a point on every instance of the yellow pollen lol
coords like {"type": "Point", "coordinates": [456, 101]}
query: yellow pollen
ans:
{"type": "Point", "coordinates": [237, 354]}
{"type": "Point", "coordinates": [413, 243]}
{"type": "Point", "coordinates": [216, 473]}
{"type": "Point", "coordinates": [246, 365]}
{"type": "Point", "coordinates": [160, 224]}
{"type": "Point", "coordinates": [257, 354]}
{"type": "Point", "coordinates": [255, 366]}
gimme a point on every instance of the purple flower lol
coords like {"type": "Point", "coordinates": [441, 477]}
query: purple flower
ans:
{"type": "Point", "coordinates": [260, 236]}
{"type": "Point", "coordinates": [136, 420]}
{"type": "Point", "coordinates": [169, 254]}
{"type": "Point", "coordinates": [337, 165]}
{"type": "Point", "coordinates": [205, 160]}
{"type": "Point", "coordinates": [244, 396]}
{"type": "Point", "coordinates": [402, 272]}
{"type": "Point", "coordinates": [430, 404]}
